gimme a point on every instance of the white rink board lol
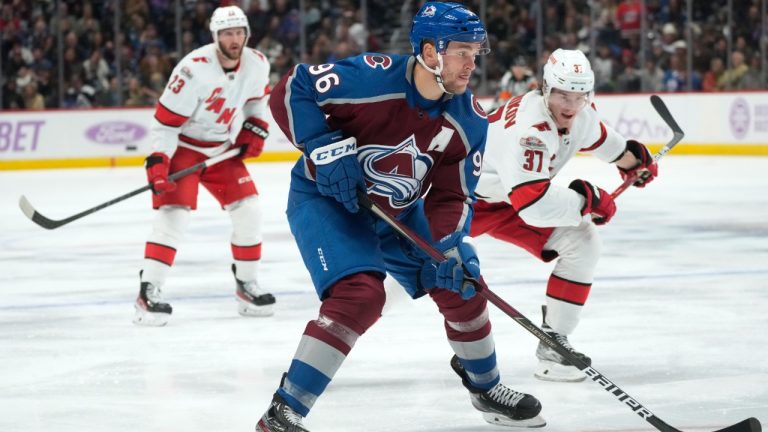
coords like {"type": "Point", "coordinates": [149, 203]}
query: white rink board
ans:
{"type": "Point", "coordinates": [732, 119]}
{"type": "Point", "coordinates": [712, 118]}
{"type": "Point", "coordinates": [80, 134]}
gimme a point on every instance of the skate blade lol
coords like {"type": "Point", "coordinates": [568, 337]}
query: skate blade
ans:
{"type": "Point", "coordinates": [551, 371]}
{"type": "Point", "coordinates": [145, 318]}
{"type": "Point", "coordinates": [500, 420]}
{"type": "Point", "coordinates": [250, 310]}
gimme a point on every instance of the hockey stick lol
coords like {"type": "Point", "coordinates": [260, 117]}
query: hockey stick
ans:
{"type": "Point", "coordinates": [38, 218]}
{"type": "Point", "coordinates": [748, 425]}
{"type": "Point", "coordinates": [677, 135]}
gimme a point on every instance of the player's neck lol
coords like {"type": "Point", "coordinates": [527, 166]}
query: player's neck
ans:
{"type": "Point", "coordinates": [426, 84]}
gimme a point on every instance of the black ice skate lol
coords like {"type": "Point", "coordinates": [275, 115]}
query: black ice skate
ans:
{"type": "Point", "coordinates": [252, 301]}
{"type": "Point", "coordinates": [280, 418]}
{"type": "Point", "coordinates": [553, 366]}
{"type": "Point", "coordinates": [501, 405]}
{"type": "Point", "coordinates": [150, 308]}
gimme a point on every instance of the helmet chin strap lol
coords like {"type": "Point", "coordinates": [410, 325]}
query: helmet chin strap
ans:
{"type": "Point", "coordinates": [437, 71]}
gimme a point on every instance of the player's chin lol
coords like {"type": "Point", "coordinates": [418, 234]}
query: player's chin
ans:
{"type": "Point", "coordinates": [458, 87]}
{"type": "Point", "coordinates": [234, 53]}
{"type": "Point", "coordinates": [566, 120]}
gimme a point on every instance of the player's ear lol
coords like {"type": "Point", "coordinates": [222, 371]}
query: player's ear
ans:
{"type": "Point", "coordinates": [429, 54]}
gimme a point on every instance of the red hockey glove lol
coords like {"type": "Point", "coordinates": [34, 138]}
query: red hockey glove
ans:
{"type": "Point", "coordinates": [598, 202]}
{"type": "Point", "coordinates": [157, 173]}
{"type": "Point", "coordinates": [648, 169]}
{"type": "Point", "coordinates": [251, 137]}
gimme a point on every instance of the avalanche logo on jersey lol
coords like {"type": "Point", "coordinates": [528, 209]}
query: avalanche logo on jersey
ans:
{"type": "Point", "coordinates": [377, 60]}
{"type": "Point", "coordinates": [395, 172]}
{"type": "Point", "coordinates": [478, 108]}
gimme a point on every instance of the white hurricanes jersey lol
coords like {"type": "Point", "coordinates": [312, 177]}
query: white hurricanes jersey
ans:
{"type": "Point", "coordinates": [201, 100]}
{"type": "Point", "coordinates": [525, 150]}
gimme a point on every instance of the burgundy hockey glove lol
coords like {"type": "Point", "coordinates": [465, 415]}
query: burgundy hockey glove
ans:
{"type": "Point", "coordinates": [157, 165]}
{"type": "Point", "coordinates": [647, 167]}
{"type": "Point", "coordinates": [251, 137]}
{"type": "Point", "coordinates": [598, 202]}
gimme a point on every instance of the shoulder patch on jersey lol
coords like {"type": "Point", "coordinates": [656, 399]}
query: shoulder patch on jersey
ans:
{"type": "Point", "coordinates": [201, 59]}
{"type": "Point", "coordinates": [478, 108]}
{"type": "Point", "coordinates": [533, 143]}
{"type": "Point", "coordinates": [186, 72]}
{"type": "Point", "coordinates": [377, 60]}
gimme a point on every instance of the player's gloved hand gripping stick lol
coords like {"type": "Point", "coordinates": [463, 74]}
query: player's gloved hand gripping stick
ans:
{"type": "Point", "coordinates": [47, 223]}
{"type": "Point", "coordinates": [748, 425]}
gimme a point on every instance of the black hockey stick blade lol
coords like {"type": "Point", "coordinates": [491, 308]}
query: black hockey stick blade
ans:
{"type": "Point", "coordinates": [749, 425]}
{"type": "Point", "coordinates": [677, 132]}
{"type": "Point", "coordinates": [47, 223]}
{"type": "Point", "coordinates": [677, 136]}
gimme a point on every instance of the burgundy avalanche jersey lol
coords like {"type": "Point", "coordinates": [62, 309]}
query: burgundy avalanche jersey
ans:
{"type": "Point", "coordinates": [407, 146]}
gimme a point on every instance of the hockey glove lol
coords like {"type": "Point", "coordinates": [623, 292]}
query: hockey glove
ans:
{"type": "Point", "coordinates": [157, 165]}
{"type": "Point", "coordinates": [598, 202]}
{"type": "Point", "coordinates": [251, 137]}
{"type": "Point", "coordinates": [337, 172]}
{"type": "Point", "coordinates": [461, 254]}
{"type": "Point", "coordinates": [648, 169]}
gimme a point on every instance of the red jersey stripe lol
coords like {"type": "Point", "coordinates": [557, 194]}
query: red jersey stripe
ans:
{"type": "Point", "coordinates": [168, 117]}
{"type": "Point", "coordinates": [600, 141]}
{"type": "Point", "coordinates": [199, 143]}
{"type": "Point", "coordinates": [527, 194]}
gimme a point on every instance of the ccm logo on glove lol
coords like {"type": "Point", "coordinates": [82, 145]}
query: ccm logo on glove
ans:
{"type": "Point", "coordinates": [251, 137]}
{"type": "Point", "coordinates": [331, 152]}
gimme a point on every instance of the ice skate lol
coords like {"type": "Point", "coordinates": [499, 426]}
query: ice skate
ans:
{"type": "Point", "coordinates": [252, 301]}
{"type": "Point", "coordinates": [280, 418]}
{"type": "Point", "coordinates": [150, 308]}
{"type": "Point", "coordinates": [554, 367]}
{"type": "Point", "coordinates": [501, 405]}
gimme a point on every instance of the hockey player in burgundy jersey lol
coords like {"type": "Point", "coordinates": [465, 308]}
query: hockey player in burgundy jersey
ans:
{"type": "Point", "coordinates": [405, 130]}
{"type": "Point", "coordinates": [530, 139]}
{"type": "Point", "coordinates": [193, 121]}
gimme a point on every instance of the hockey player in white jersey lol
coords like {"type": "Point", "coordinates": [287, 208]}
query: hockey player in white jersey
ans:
{"type": "Point", "coordinates": [194, 121]}
{"type": "Point", "coordinates": [530, 139]}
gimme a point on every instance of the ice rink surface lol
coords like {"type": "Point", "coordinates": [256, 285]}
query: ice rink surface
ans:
{"type": "Point", "coordinates": [677, 316]}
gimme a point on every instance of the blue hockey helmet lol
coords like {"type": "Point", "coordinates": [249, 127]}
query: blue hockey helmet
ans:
{"type": "Point", "coordinates": [444, 22]}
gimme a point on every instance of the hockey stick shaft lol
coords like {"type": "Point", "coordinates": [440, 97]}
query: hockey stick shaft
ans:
{"type": "Point", "coordinates": [48, 223]}
{"type": "Point", "coordinates": [677, 135]}
{"type": "Point", "coordinates": [749, 425]}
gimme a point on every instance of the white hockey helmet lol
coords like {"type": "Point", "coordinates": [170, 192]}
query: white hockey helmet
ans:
{"type": "Point", "coordinates": [568, 70]}
{"type": "Point", "coordinates": [228, 17]}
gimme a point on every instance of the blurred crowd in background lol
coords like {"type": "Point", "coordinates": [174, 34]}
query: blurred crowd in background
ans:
{"type": "Point", "coordinates": [81, 53]}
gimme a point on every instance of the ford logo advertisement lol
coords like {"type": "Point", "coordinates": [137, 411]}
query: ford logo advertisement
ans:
{"type": "Point", "coordinates": [116, 132]}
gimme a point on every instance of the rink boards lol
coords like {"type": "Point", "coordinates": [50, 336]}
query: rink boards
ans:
{"type": "Point", "coordinates": [714, 123]}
